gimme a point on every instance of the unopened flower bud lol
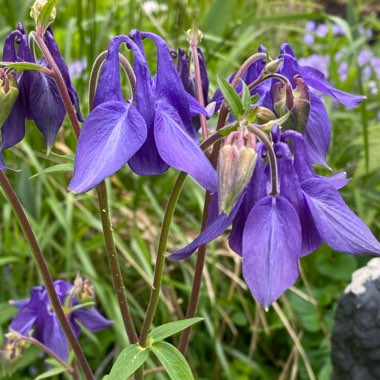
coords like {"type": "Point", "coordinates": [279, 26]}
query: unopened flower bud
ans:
{"type": "Point", "coordinates": [36, 10]}
{"type": "Point", "coordinates": [264, 115]}
{"type": "Point", "coordinates": [13, 346]}
{"type": "Point", "coordinates": [283, 98]}
{"type": "Point", "coordinates": [236, 163]}
{"type": "Point", "coordinates": [83, 289]}
{"type": "Point", "coordinates": [296, 101]}
{"type": "Point", "coordinates": [8, 95]}
{"type": "Point", "coordinates": [273, 66]}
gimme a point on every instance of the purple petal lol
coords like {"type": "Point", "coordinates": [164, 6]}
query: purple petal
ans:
{"type": "Point", "coordinates": [271, 249]}
{"type": "Point", "coordinates": [216, 225]}
{"type": "Point", "coordinates": [24, 321]}
{"type": "Point", "coordinates": [9, 51]}
{"type": "Point", "coordinates": [314, 78]}
{"type": "Point", "coordinates": [112, 133]}
{"type": "Point", "coordinates": [318, 131]}
{"type": "Point", "coordinates": [91, 319]}
{"type": "Point", "coordinates": [13, 130]}
{"type": "Point", "coordinates": [179, 150]}
{"type": "Point", "coordinates": [195, 107]}
{"type": "Point", "coordinates": [338, 226]}
{"type": "Point", "coordinates": [54, 337]}
{"type": "Point", "coordinates": [46, 106]}
{"type": "Point", "coordinates": [168, 84]}
{"type": "Point", "coordinates": [54, 50]}
{"type": "Point", "coordinates": [290, 189]}
{"type": "Point", "coordinates": [109, 87]}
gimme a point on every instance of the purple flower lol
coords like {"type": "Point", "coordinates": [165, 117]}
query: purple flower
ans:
{"type": "Point", "coordinates": [364, 57]}
{"type": "Point", "coordinates": [343, 71]}
{"type": "Point", "coordinates": [322, 30]}
{"type": "Point", "coordinates": [151, 135]}
{"type": "Point", "coordinates": [35, 314]}
{"type": "Point", "coordinates": [39, 98]}
{"type": "Point", "coordinates": [272, 233]}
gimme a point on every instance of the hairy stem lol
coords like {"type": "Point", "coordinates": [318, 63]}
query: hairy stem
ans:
{"type": "Point", "coordinates": [45, 274]}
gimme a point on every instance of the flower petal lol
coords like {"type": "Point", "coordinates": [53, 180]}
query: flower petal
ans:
{"type": "Point", "coordinates": [92, 319]}
{"type": "Point", "coordinates": [46, 107]}
{"type": "Point", "coordinates": [168, 84]}
{"type": "Point", "coordinates": [54, 337]}
{"type": "Point", "coordinates": [318, 131]}
{"type": "Point", "coordinates": [112, 133]}
{"type": "Point", "coordinates": [338, 226]}
{"type": "Point", "coordinates": [314, 78]}
{"type": "Point", "coordinates": [214, 228]}
{"type": "Point", "coordinates": [179, 150]}
{"type": "Point", "coordinates": [271, 249]}
{"type": "Point", "coordinates": [109, 87]}
{"type": "Point", "coordinates": [54, 51]}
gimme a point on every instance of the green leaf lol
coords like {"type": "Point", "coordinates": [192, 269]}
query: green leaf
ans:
{"type": "Point", "coordinates": [51, 373]}
{"type": "Point", "coordinates": [44, 17]}
{"type": "Point", "coordinates": [231, 97]}
{"type": "Point", "coordinates": [22, 66]}
{"type": "Point", "coordinates": [172, 360]}
{"type": "Point", "coordinates": [246, 99]}
{"type": "Point", "coordinates": [128, 361]}
{"type": "Point", "coordinates": [55, 169]}
{"type": "Point", "coordinates": [171, 328]}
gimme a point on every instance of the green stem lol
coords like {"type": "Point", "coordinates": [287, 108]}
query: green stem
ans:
{"type": "Point", "coordinates": [45, 274]}
{"type": "Point", "coordinates": [160, 260]}
{"type": "Point", "coordinates": [113, 262]}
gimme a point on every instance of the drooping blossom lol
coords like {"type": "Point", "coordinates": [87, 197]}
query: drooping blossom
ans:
{"type": "Point", "coordinates": [39, 98]}
{"type": "Point", "coordinates": [272, 233]}
{"type": "Point", "coordinates": [151, 135]}
{"type": "Point", "coordinates": [35, 316]}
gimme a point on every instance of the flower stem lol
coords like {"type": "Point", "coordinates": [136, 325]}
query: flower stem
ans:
{"type": "Point", "coordinates": [113, 261]}
{"type": "Point", "coordinates": [271, 156]}
{"type": "Point", "coordinates": [45, 274]}
{"type": "Point", "coordinates": [46, 349]}
{"type": "Point", "coordinates": [160, 259]}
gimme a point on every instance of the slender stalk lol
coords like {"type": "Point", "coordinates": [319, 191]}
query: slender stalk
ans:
{"type": "Point", "coordinates": [45, 274]}
{"type": "Point", "coordinates": [114, 265]}
{"type": "Point", "coordinates": [197, 281]}
{"type": "Point", "coordinates": [271, 156]}
{"type": "Point", "coordinates": [101, 191]}
{"type": "Point", "coordinates": [46, 349]}
{"type": "Point", "coordinates": [160, 260]}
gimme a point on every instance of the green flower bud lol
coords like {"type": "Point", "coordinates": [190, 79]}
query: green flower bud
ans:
{"type": "Point", "coordinates": [236, 163]}
{"type": "Point", "coordinates": [296, 101]}
{"type": "Point", "coordinates": [264, 115]}
{"type": "Point", "coordinates": [273, 66]}
{"type": "Point", "coordinates": [8, 95]}
{"type": "Point", "coordinates": [43, 20]}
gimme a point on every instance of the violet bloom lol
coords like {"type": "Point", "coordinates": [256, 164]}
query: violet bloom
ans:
{"type": "Point", "coordinates": [318, 128]}
{"type": "Point", "coordinates": [272, 233]}
{"type": "Point", "coordinates": [39, 98]}
{"type": "Point", "coordinates": [151, 135]}
{"type": "Point", "coordinates": [35, 315]}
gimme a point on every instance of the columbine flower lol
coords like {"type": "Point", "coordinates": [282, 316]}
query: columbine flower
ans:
{"type": "Point", "coordinates": [271, 233]}
{"type": "Point", "coordinates": [39, 98]}
{"type": "Point", "coordinates": [36, 317]}
{"type": "Point", "coordinates": [152, 135]}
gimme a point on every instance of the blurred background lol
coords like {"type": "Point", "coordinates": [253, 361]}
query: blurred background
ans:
{"type": "Point", "coordinates": [237, 339]}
